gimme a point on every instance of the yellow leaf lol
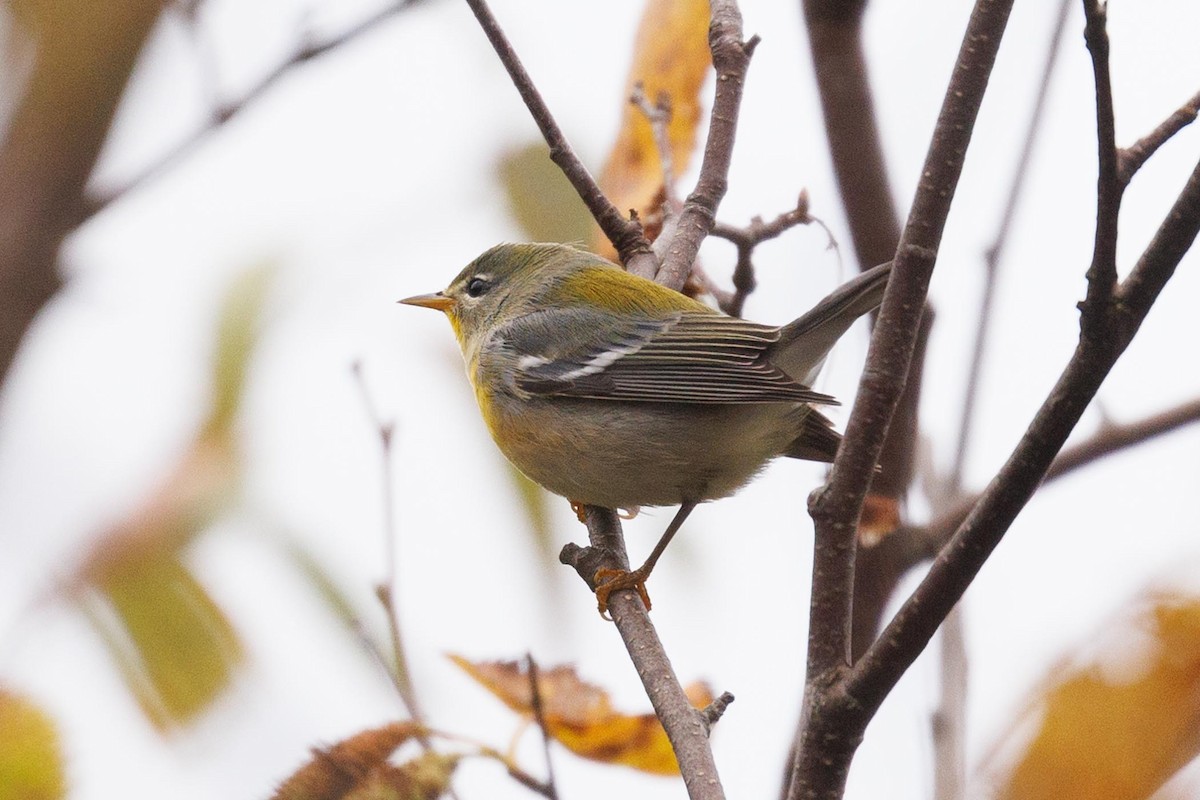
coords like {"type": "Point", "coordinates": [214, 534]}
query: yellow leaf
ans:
{"type": "Point", "coordinates": [31, 765]}
{"type": "Point", "coordinates": [580, 716]}
{"type": "Point", "coordinates": [1105, 733]}
{"type": "Point", "coordinates": [357, 769]}
{"type": "Point", "coordinates": [671, 56]}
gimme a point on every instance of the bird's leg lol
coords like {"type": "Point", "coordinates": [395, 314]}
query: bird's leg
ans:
{"type": "Point", "coordinates": [611, 580]}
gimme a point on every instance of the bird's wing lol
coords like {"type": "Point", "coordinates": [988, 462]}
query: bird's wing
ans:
{"type": "Point", "coordinates": [683, 357]}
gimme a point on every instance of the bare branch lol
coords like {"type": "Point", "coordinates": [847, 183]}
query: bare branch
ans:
{"type": "Point", "coordinates": [307, 51]}
{"type": "Point", "coordinates": [625, 235]}
{"type": "Point", "coordinates": [658, 114]}
{"type": "Point", "coordinates": [731, 59]}
{"type": "Point", "coordinates": [398, 663]}
{"type": "Point", "coordinates": [686, 727]}
{"type": "Point", "coordinates": [1131, 159]}
{"type": "Point", "coordinates": [747, 238]}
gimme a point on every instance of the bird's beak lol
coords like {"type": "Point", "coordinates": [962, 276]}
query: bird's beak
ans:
{"type": "Point", "coordinates": [436, 300]}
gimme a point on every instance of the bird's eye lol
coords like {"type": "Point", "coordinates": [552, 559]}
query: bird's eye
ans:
{"type": "Point", "coordinates": [476, 287]}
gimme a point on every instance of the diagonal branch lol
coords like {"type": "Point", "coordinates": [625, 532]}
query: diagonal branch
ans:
{"type": "Point", "coordinates": [960, 560]}
{"type": "Point", "coordinates": [687, 728]}
{"type": "Point", "coordinates": [625, 235]}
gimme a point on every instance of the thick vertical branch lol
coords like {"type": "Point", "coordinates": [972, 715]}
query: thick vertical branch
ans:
{"type": "Point", "coordinates": [828, 742]}
{"type": "Point", "coordinates": [84, 54]}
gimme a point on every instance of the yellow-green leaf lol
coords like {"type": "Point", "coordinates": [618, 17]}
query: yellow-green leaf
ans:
{"type": "Point", "coordinates": [175, 647]}
{"type": "Point", "coordinates": [31, 765]}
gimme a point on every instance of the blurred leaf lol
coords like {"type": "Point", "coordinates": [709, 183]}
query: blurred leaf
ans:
{"type": "Point", "coordinates": [580, 716]}
{"type": "Point", "coordinates": [541, 199]}
{"type": "Point", "coordinates": [175, 647]}
{"type": "Point", "coordinates": [237, 334]}
{"type": "Point", "coordinates": [880, 516]}
{"type": "Point", "coordinates": [31, 765]}
{"type": "Point", "coordinates": [358, 769]}
{"type": "Point", "coordinates": [671, 56]}
{"type": "Point", "coordinates": [1103, 733]}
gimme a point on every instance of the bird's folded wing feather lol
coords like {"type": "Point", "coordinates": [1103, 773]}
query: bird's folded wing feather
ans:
{"type": "Point", "coordinates": [683, 357]}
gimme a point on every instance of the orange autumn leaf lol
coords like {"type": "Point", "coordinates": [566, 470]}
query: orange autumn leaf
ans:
{"type": "Point", "coordinates": [671, 57]}
{"type": "Point", "coordinates": [1103, 732]}
{"type": "Point", "coordinates": [357, 768]}
{"type": "Point", "coordinates": [880, 516]}
{"type": "Point", "coordinates": [579, 715]}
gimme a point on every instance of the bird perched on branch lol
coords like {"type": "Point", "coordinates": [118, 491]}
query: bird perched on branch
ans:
{"type": "Point", "coordinates": [611, 390]}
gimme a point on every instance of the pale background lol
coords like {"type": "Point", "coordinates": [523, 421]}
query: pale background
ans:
{"type": "Point", "coordinates": [367, 176]}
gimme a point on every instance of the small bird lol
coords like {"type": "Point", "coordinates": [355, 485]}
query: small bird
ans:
{"type": "Point", "coordinates": [612, 390]}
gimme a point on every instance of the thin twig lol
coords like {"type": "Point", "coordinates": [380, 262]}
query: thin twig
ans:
{"type": "Point", "coordinates": [658, 115]}
{"type": "Point", "coordinates": [994, 254]}
{"type": "Point", "coordinates": [835, 721]}
{"type": "Point", "coordinates": [1131, 159]}
{"type": "Point", "coordinates": [731, 58]}
{"type": "Point", "coordinates": [625, 234]}
{"type": "Point", "coordinates": [307, 51]}
{"type": "Point", "coordinates": [539, 716]}
{"type": "Point", "coordinates": [748, 238]}
{"type": "Point", "coordinates": [384, 590]}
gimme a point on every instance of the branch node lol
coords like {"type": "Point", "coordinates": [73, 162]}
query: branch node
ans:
{"type": "Point", "coordinates": [713, 712]}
